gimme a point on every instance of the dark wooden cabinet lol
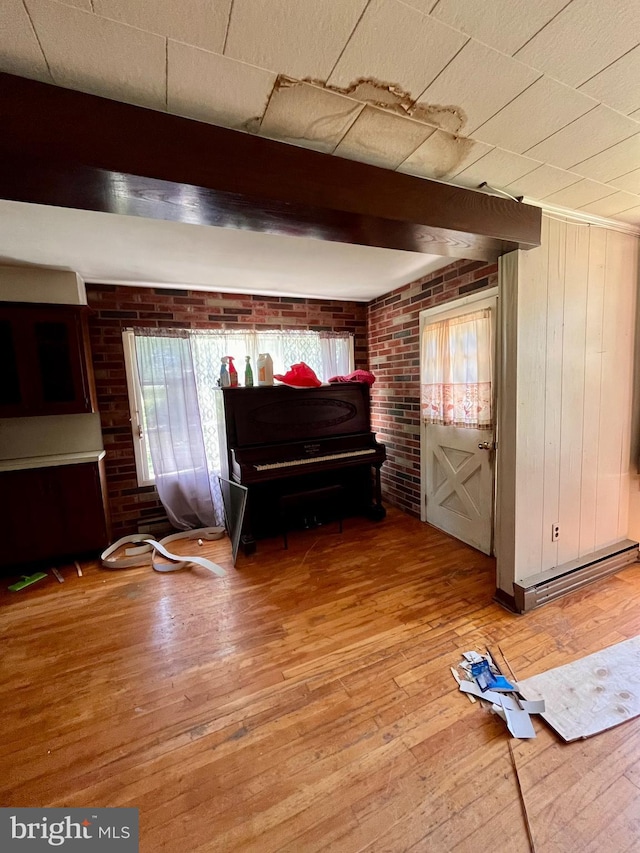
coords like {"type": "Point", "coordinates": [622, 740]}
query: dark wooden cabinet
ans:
{"type": "Point", "coordinates": [52, 513]}
{"type": "Point", "coordinates": [44, 364]}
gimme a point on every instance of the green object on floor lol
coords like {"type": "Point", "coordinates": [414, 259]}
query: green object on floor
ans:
{"type": "Point", "coordinates": [27, 580]}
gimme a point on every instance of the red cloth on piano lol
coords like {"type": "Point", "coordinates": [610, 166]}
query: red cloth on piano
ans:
{"type": "Point", "coordinates": [356, 376]}
{"type": "Point", "coordinates": [299, 376]}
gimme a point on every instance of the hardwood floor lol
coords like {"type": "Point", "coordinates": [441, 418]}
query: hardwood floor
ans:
{"type": "Point", "coordinates": [305, 701]}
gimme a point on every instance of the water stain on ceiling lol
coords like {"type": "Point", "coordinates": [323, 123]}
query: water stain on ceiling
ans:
{"type": "Point", "coordinates": [369, 120]}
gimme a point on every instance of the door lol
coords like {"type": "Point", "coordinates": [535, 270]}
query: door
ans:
{"type": "Point", "coordinates": [458, 391]}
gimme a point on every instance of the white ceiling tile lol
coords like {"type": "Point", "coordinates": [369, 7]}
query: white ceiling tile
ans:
{"type": "Point", "coordinates": [102, 57]}
{"type": "Point", "coordinates": [308, 115]}
{"type": "Point", "coordinates": [632, 216]}
{"type": "Point", "coordinates": [615, 161]}
{"type": "Point", "coordinates": [504, 24]}
{"type": "Point", "coordinates": [612, 204]}
{"type": "Point", "coordinates": [397, 44]}
{"type": "Point", "coordinates": [629, 182]}
{"type": "Point", "coordinates": [542, 182]}
{"type": "Point", "coordinates": [443, 155]}
{"type": "Point", "coordinates": [590, 134]}
{"type": "Point", "coordinates": [619, 84]}
{"type": "Point", "coordinates": [580, 194]}
{"type": "Point", "coordinates": [199, 22]}
{"type": "Point", "coordinates": [424, 6]}
{"type": "Point", "coordinates": [209, 87]}
{"type": "Point", "coordinates": [539, 111]}
{"type": "Point", "coordinates": [480, 81]}
{"type": "Point", "coordinates": [382, 138]}
{"type": "Point", "coordinates": [19, 49]}
{"type": "Point", "coordinates": [498, 168]}
{"type": "Point", "coordinates": [587, 36]}
{"type": "Point", "coordinates": [300, 38]}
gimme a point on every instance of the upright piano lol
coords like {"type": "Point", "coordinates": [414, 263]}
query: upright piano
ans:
{"type": "Point", "coordinates": [279, 441]}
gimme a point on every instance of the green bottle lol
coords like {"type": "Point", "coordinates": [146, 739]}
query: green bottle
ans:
{"type": "Point", "coordinates": [248, 373]}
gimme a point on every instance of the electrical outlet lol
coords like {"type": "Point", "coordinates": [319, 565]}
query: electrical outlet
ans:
{"type": "Point", "coordinates": [555, 532]}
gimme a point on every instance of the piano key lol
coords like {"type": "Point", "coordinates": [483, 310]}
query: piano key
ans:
{"type": "Point", "coordinates": [314, 459]}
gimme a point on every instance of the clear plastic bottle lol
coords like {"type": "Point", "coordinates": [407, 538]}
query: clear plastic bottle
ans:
{"type": "Point", "coordinates": [224, 373]}
{"type": "Point", "coordinates": [248, 372]}
{"type": "Point", "coordinates": [265, 369]}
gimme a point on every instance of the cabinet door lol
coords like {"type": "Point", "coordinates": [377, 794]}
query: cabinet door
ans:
{"type": "Point", "coordinates": [82, 514]}
{"type": "Point", "coordinates": [14, 355]}
{"type": "Point", "coordinates": [51, 513]}
{"type": "Point", "coordinates": [56, 345]}
{"type": "Point", "coordinates": [30, 515]}
{"type": "Point", "coordinates": [43, 367]}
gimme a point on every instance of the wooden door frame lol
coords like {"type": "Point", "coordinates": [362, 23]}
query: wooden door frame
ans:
{"type": "Point", "coordinates": [427, 316]}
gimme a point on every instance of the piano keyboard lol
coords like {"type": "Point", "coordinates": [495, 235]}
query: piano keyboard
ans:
{"type": "Point", "coordinates": [309, 460]}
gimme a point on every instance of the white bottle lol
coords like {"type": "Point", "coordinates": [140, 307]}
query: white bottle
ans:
{"type": "Point", "coordinates": [265, 369]}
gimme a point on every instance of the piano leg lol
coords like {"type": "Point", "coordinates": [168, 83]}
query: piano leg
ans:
{"type": "Point", "coordinates": [376, 511]}
{"type": "Point", "coordinates": [248, 544]}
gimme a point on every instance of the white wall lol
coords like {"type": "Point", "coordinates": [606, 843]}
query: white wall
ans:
{"type": "Point", "coordinates": [41, 284]}
{"type": "Point", "coordinates": [564, 453]}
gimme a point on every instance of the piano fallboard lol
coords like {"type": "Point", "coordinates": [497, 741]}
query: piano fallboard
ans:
{"type": "Point", "coordinates": [259, 464]}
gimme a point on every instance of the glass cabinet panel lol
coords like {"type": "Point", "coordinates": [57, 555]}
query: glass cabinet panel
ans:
{"type": "Point", "coordinates": [10, 393]}
{"type": "Point", "coordinates": [44, 368]}
{"type": "Point", "coordinates": [53, 345]}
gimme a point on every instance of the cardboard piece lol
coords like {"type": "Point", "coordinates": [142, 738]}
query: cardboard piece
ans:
{"type": "Point", "coordinates": [515, 712]}
{"type": "Point", "coordinates": [472, 687]}
{"type": "Point", "coordinates": [532, 707]}
{"type": "Point", "coordinates": [518, 720]}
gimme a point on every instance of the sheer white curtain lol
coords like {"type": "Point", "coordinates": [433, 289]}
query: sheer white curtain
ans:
{"type": "Point", "coordinates": [456, 371]}
{"type": "Point", "coordinates": [178, 375]}
{"type": "Point", "coordinates": [327, 354]}
{"type": "Point", "coordinates": [336, 355]}
{"type": "Point", "coordinates": [174, 430]}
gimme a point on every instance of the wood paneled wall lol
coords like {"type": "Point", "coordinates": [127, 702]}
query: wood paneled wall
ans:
{"type": "Point", "coordinates": [564, 455]}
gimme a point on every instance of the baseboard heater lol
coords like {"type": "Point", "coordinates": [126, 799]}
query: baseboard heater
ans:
{"type": "Point", "coordinates": [539, 589]}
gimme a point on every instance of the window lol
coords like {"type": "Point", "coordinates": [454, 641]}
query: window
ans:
{"type": "Point", "coordinates": [456, 371]}
{"type": "Point", "coordinates": [328, 354]}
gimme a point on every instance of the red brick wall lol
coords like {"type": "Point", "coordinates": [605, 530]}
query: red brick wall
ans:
{"type": "Point", "coordinates": [393, 331]}
{"type": "Point", "coordinates": [117, 307]}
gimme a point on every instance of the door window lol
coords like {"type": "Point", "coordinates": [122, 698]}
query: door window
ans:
{"type": "Point", "coordinates": [456, 371]}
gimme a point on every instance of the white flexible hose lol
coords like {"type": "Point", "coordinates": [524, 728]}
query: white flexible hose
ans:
{"type": "Point", "coordinates": [147, 546]}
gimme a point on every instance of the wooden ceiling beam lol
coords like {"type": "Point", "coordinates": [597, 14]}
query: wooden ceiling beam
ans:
{"type": "Point", "coordinates": [70, 149]}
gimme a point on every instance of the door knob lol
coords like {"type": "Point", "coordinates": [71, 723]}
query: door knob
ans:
{"type": "Point", "coordinates": [487, 445]}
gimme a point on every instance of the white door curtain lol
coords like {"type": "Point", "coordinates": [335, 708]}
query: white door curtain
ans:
{"type": "Point", "coordinates": [456, 370]}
